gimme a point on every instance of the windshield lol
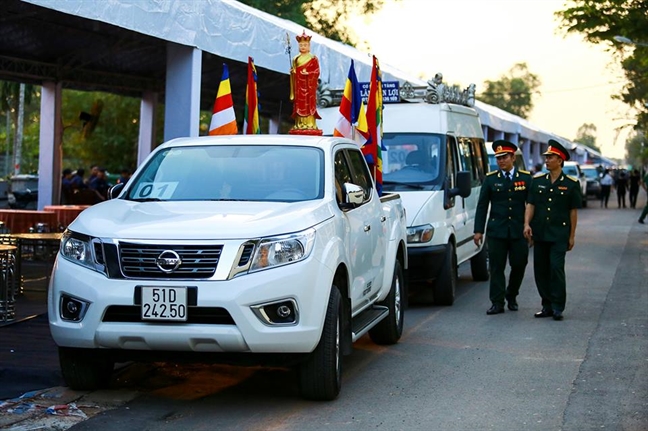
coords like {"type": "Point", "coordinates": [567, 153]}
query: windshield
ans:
{"type": "Point", "coordinates": [571, 170]}
{"type": "Point", "coordinates": [231, 173]}
{"type": "Point", "coordinates": [590, 173]}
{"type": "Point", "coordinates": [412, 161]}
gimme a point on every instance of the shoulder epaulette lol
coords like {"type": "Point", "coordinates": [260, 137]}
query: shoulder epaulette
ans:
{"type": "Point", "coordinates": [491, 173]}
{"type": "Point", "coordinates": [524, 172]}
{"type": "Point", "coordinates": [572, 178]}
{"type": "Point", "coordinates": [539, 174]}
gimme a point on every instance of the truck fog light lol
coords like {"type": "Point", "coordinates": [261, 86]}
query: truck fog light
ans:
{"type": "Point", "coordinates": [283, 312]}
{"type": "Point", "coordinates": [73, 309]}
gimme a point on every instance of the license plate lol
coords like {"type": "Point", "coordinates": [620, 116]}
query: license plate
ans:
{"type": "Point", "coordinates": [164, 303]}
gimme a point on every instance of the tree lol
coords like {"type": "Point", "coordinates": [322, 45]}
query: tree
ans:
{"type": "Point", "coordinates": [513, 93]}
{"type": "Point", "coordinates": [586, 135]}
{"type": "Point", "coordinates": [15, 101]}
{"type": "Point", "coordinates": [599, 21]}
{"type": "Point", "coordinates": [637, 150]}
{"type": "Point", "coordinates": [326, 17]}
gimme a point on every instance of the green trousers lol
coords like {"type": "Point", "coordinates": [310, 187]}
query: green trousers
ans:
{"type": "Point", "coordinates": [517, 253]}
{"type": "Point", "coordinates": [549, 271]}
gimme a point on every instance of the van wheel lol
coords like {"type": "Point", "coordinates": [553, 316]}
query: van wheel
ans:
{"type": "Point", "coordinates": [390, 329]}
{"type": "Point", "coordinates": [445, 285]}
{"type": "Point", "coordinates": [479, 265]}
{"type": "Point", "coordinates": [85, 369]}
{"type": "Point", "coordinates": [320, 376]}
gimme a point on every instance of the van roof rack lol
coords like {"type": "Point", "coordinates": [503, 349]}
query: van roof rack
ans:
{"type": "Point", "coordinates": [435, 92]}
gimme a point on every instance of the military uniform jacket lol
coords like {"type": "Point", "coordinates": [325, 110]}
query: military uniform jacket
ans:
{"type": "Point", "coordinates": [507, 200]}
{"type": "Point", "coordinates": [553, 203]}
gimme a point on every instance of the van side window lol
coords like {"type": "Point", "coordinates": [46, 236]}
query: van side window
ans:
{"type": "Point", "coordinates": [451, 165]}
{"type": "Point", "coordinates": [471, 159]}
{"type": "Point", "coordinates": [361, 175]}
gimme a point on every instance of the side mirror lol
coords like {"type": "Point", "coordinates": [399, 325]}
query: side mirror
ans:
{"type": "Point", "coordinates": [352, 194]}
{"type": "Point", "coordinates": [115, 190]}
{"type": "Point", "coordinates": [464, 186]}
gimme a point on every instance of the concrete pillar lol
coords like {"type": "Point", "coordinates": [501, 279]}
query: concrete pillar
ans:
{"type": "Point", "coordinates": [148, 109]}
{"type": "Point", "coordinates": [182, 98]}
{"type": "Point", "coordinates": [50, 155]}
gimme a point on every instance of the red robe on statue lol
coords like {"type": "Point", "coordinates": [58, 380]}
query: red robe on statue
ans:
{"type": "Point", "coordinates": [305, 87]}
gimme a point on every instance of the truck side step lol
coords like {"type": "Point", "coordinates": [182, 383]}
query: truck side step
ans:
{"type": "Point", "coordinates": [366, 320]}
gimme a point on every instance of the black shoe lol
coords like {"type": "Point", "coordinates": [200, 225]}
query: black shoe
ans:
{"type": "Point", "coordinates": [557, 315]}
{"type": "Point", "coordinates": [495, 309]}
{"type": "Point", "coordinates": [512, 304]}
{"type": "Point", "coordinates": [640, 221]}
{"type": "Point", "coordinates": [544, 313]}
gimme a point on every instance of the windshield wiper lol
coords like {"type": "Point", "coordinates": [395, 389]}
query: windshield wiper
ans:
{"type": "Point", "coordinates": [148, 200]}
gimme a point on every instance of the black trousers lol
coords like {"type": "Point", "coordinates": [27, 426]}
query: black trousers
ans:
{"type": "Point", "coordinates": [605, 195]}
{"type": "Point", "coordinates": [517, 253]}
{"type": "Point", "coordinates": [549, 272]}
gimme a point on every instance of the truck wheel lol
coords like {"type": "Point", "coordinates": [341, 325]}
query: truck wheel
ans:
{"type": "Point", "coordinates": [479, 265]}
{"type": "Point", "coordinates": [85, 369]}
{"type": "Point", "coordinates": [446, 283]}
{"type": "Point", "coordinates": [321, 374]}
{"type": "Point", "coordinates": [390, 329]}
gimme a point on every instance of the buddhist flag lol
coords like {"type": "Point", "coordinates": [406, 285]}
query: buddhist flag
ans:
{"type": "Point", "coordinates": [251, 120]}
{"type": "Point", "coordinates": [352, 111]}
{"type": "Point", "coordinates": [373, 149]}
{"type": "Point", "coordinates": [223, 120]}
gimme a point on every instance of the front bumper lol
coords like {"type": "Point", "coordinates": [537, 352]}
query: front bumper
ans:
{"type": "Point", "coordinates": [425, 263]}
{"type": "Point", "coordinates": [308, 283]}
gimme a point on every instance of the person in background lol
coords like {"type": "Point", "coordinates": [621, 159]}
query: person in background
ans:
{"type": "Point", "coordinates": [606, 185]}
{"type": "Point", "coordinates": [550, 226]}
{"type": "Point", "coordinates": [635, 180]}
{"type": "Point", "coordinates": [621, 185]}
{"type": "Point", "coordinates": [66, 186]}
{"type": "Point", "coordinates": [100, 185]}
{"type": "Point", "coordinates": [78, 183]}
{"type": "Point", "coordinates": [124, 177]}
{"type": "Point", "coordinates": [644, 184]}
{"type": "Point", "coordinates": [93, 173]}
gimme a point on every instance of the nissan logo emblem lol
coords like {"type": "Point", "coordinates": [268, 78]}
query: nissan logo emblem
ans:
{"type": "Point", "coordinates": [168, 261]}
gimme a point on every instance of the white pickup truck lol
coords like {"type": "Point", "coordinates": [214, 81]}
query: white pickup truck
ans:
{"type": "Point", "coordinates": [233, 249]}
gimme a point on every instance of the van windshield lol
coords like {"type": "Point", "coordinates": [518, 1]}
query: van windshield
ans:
{"type": "Point", "coordinates": [413, 161]}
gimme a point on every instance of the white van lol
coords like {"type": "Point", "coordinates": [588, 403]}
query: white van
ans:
{"type": "Point", "coordinates": [436, 160]}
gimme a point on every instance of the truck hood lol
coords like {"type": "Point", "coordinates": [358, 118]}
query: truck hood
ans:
{"type": "Point", "coordinates": [202, 220]}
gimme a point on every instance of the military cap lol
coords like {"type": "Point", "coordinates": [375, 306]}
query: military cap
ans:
{"type": "Point", "coordinates": [556, 148]}
{"type": "Point", "coordinates": [502, 147]}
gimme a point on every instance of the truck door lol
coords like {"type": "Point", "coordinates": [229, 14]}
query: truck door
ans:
{"type": "Point", "coordinates": [364, 229]}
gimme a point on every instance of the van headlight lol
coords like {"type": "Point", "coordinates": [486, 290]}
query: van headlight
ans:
{"type": "Point", "coordinates": [282, 250]}
{"type": "Point", "coordinates": [420, 234]}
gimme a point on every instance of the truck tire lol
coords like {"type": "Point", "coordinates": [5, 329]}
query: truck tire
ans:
{"type": "Point", "coordinates": [320, 376]}
{"type": "Point", "coordinates": [85, 369]}
{"type": "Point", "coordinates": [446, 283]}
{"type": "Point", "coordinates": [479, 265]}
{"type": "Point", "coordinates": [390, 329]}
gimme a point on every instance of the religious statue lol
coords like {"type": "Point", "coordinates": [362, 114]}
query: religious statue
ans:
{"type": "Point", "coordinates": [304, 76]}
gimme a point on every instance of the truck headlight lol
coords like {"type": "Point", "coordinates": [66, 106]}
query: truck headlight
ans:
{"type": "Point", "coordinates": [420, 234]}
{"type": "Point", "coordinates": [282, 250]}
{"type": "Point", "coordinates": [79, 249]}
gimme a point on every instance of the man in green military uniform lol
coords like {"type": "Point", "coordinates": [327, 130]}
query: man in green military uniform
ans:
{"type": "Point", "coordinates": [550, 224]}
{"type": "Point", "coordinates": [506, 191]}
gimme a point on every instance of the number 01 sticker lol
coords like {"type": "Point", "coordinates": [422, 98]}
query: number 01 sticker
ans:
{"type": "Point", "coordinates": [155, 190]}
{"type": "Point", "coordinates": [164, 303]}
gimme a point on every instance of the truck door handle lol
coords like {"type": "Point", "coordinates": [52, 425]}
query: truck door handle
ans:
{"type": "Point", "coordinates": [383, 219]}
{"type": "Point", "coordinates": [367, 228]}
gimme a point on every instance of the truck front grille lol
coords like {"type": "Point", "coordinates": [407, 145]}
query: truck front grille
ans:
{"type": "Point", "coordinates": [202, 315]}
{"type": "Point", "coordinates": [141, 260]}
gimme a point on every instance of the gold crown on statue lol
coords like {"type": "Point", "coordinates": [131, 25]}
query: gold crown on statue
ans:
{"type": "Point", "coordinates": [303, 38]}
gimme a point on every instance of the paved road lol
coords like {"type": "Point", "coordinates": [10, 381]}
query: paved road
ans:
{"type": "Point", "coordinates": [455, 368]}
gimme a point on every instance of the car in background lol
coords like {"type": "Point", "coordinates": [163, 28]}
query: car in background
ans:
{"type": "Point", "coordinates": [593, 178]}
{"type": "Point", "coordinates": [573, 169]}
{"type": "Point", "coordinates": [492, 162]}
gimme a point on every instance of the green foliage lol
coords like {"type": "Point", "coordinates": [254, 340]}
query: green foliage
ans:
{"type": "Point", "coordinates": [637, 150]}
{"type": "Point", "coordinates": [326, 17]}
{"type": "Point", "coordinates": [586, 135]}
{"type": "Point", "coordinates": [112, 143]}
{"type": "Point", "coordinates": [599, 21]}
{"type": "Point", "coordinates": [513, 92]}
